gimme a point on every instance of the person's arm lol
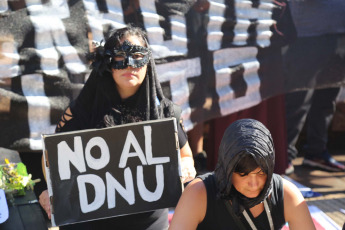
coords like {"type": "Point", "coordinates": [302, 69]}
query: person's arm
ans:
{"type": "Point", "coordinates": [187, 163]}
{"type": "Point", "coordinates": [191, 208]}
{"type": "Point", "coordinates": [186, 151]}
{"type": "Point", "coordinates": [295, 208]}
{"type": "Point", "coordinates": [187, 160]}
{"type": "Point", "coordinates": [44, 196]}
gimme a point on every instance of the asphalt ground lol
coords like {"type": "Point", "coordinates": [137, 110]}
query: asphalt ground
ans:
{"type": "Point", "coordinates": [331, 186]}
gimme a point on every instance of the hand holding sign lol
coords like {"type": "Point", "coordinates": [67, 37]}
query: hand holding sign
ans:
{"type": "Point", "coordinates": [44, 202]}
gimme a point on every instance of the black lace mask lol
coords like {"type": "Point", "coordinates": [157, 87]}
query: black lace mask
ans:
{"type": "Point", "coordinates": [128, 55]}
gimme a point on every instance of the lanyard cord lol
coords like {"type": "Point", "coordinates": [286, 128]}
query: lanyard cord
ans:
{"type": "Point", "coordinates": [268, 213]}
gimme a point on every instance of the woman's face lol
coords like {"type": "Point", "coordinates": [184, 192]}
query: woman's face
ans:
{"type": "Point", "coordinates": [128, 80]}
{"type": "Point", "coordinates": [250, 185]}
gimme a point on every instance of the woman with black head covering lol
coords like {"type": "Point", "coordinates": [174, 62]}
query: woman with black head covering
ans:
{"type": "Point", "coordinates": [123, 88]}
{"type": "Point", "coordinates": [242, 192]}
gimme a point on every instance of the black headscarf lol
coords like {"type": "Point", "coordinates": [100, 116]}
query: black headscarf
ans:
{"type": "Point", "coordinates": [246, 136]}
{"type": "Point", "coordinates": [99, 103]}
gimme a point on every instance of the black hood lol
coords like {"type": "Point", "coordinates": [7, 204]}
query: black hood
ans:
{"type": "Point", "coordinates": [245, 136]}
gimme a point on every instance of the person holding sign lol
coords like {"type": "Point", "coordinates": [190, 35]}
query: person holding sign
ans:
{"type": "Point", "coordinates": [123, 88]}
{"type": "Point", "coordinates": [242, 192]}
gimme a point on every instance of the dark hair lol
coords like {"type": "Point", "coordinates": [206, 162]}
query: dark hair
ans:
{"type": "Point", "coordinates": [117, 35]}
{"type": "Point", "coordinates": [246, 165]}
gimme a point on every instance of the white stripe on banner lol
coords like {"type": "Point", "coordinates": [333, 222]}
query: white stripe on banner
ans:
{"type": "Point", "coordinates": [233, 57]}
{"type": "Point", "coordinates": [9, 58]}
{"type": "Point", "coordinates": [96, 19]}
{"type": "Point", "coordinates": [177, 74]}
{"type": "Point", "coordinates": [263, 14]}
{"type": "Point", "coordinates": [244, 13]}
{"type": "Point", "coordinates": [214, 28]}
{"type": "Point", "coordinates": [50, 32]}
{"type": "Point", "coordinates": [160, 48]}
{"type": "Point", "coordinates": [38, 109]}
{"type": "Point", "coordinates": [3, 6]}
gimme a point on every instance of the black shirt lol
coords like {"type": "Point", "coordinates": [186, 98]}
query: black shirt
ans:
{"type": "Point", "coordinates": [217, 216]}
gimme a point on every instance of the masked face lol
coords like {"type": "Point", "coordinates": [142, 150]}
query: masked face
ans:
{"type": "Point", "coordinates": [129, 55]}
{"type": "Point", "coordinates": [128, 78]}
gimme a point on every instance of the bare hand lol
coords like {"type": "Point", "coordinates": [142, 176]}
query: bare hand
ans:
{"type": "Point", "coordinates": [44, 202]}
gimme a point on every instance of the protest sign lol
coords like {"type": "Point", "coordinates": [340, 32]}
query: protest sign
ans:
{"type": "Point", "coordinates": [121, 170]}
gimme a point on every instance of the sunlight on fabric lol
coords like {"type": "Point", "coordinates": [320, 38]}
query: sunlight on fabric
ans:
{"type": "Point", "coordinates": [249, 23]}
{"type": "Point", "coordinates": [38, 109]}
{"type": "Point", "coordinates": [97, 19]}
{"type": "Point", "coordinates": [177, 74]}
{"type": "Point", "coordinates": [163, 48]}
{"type": "Point", "coordinates": [237, 80]}
{"type": "Point", "coordinates": [9, 58]}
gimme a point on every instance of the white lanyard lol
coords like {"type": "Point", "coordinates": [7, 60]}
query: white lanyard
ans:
{"type": "Point", "coordinates": [268, 213]}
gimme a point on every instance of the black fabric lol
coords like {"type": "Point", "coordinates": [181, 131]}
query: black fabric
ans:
{"type": "Point", "coordinates": [218, 217]}
{"type": "Point", "coordinates": [241, 138]}
{"type": "Point", "coordinates": [99, 98]}
{"type": "Point", "coordinates": [99, 105]}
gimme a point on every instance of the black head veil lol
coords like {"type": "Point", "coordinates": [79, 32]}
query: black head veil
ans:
{"type": "Point", "coordinates": [99, 97]}
{"type": "Point", "coordinates": [245, 136]}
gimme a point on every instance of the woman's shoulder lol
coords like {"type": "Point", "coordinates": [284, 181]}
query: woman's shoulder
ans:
{"type": "Point", "coordinates": [166, 103]}
{"type": "Point", "coordinates": [295, 208]}
{"type": "Point", "coordinates": [292, 196]}
{"type": "Point", "coordinates": [207, 176]}
{"type": "Point", "coordinates": [196, 185]}
{"type": "Point", "coordinates": [170, 109]}
{"type": "Point", "coordinates": [195, 191]}
{"type": "Point", "coordinates": [291, 192]}
{"type": "Point", "coordinates": [191, 208]}
{"type": "Point", "coordinates": [209, 183]}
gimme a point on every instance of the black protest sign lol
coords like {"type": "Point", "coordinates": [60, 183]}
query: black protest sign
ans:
{"type": "Point", "coordinates": [101, 173]}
